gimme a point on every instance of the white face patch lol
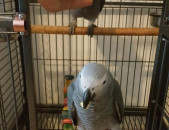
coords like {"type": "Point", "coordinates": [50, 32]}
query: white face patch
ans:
{"type": "Point", "coordinates": [91, 81]}
{"type": "Point", "coordinates": [101, 83]}
{"type": "Point", "coordinates": [85, 82]}
{"type": "Point", "coordinates": [103, 80]}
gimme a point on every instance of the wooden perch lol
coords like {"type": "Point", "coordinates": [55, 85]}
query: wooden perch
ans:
{"type": "Point", "coordinates": [97, 31]}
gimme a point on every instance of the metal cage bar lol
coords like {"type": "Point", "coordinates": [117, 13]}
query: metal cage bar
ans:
{"type": "Point", "coordinates": [25, 42]}
{"type": "Point", "coordinates": [159, 85]}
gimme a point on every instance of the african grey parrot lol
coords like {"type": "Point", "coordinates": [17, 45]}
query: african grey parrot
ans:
{"type": "Point", "coordinates": [90, 13]}
{"type": "Point", "coordinates": [95, 100]}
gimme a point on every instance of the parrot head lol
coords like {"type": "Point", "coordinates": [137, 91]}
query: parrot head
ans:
{"type": "Point", "coordinates": [94, 80]}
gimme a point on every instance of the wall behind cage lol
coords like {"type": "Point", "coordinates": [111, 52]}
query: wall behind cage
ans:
{"type": "Point", "coordinates": [129, 58]}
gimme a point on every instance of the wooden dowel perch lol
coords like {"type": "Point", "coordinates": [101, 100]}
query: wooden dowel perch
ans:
{"type": "Point", "coordinates": [97, 31]}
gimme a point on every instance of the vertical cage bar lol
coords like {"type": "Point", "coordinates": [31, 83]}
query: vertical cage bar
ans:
{"type": "Point", "coordinates": [97, 39]}
{"type": "Point", "coordinates": [20, 85]}
{"type": "Point", "coordinates": [3, 6]}
{"type": "Point", "coordinates": [128, 68]}
{"type": "Point", "coordinates": [104, 39]}
{"type": "Point", "coordinates": [117, 41]}
{"type": "Point", "coordinates": [83, 45]}
{"type": "Point", "coordinates": [63, 54]}
{"type": "Point", "coordinates": [70, 48]}
{"type": "Point", "coordinates": [142, 61]}
{"type": "Point", "coordinates": [135, 66]}
{"type": "Point", "coordinates": [164, 80]}
{"type": "Point", "coordinates": [43, 55]}
{"type": "Point", "coordinates": [57, 63]}
{"type": "Point", "coordinates": [112, 12]}
{"type": "Point", "coordinates": [160, 75]}
{"type": "Point", "coordinates": [26, 54]}
{"type": "Point", "coordinates": [76, 71]}
{"type": "Point", "coordinates": [37, 56]}
{"type": "Point", "coordinates": [124, 45]}
{"type": "Point", "coordinates": [50, 55]}
{"type": "Point", "coordinates": [148, 71]}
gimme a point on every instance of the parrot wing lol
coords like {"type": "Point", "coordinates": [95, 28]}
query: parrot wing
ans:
{"type": "Point", "coordinates": [71, 106]}
{"type": "Point", "coordinates": [118, 101]}
{"type": "Point", "coordinates": [101, 4]}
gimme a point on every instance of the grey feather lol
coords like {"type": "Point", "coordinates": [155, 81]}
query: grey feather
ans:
{"type": "Point", "coordinates": [118, 101]}
{"type": "Point", "coordinates": [106, 108]}
{"type": "Point", "coordinates": [72, 109]}
{"type": "Point", "coordinates": [90, 13]}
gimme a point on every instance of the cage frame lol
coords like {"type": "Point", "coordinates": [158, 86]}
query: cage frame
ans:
{"type": "Point", "coordinates": [160, 79]}
{"type": "Point", "coordinates": [26, 53]}
{"type": "Point", "coordinates": [28, 60]}
{"type": "Point", "coordinates": [12, 120]}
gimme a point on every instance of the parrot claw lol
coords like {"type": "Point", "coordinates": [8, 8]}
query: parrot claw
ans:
{"type": "Point", "coordinates": [90, 29]}
{"type": "Point", "coordinates": [72, 27]}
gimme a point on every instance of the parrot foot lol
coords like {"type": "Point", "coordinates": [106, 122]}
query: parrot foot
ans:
{"type": "Point", "coordinates": [90, 29]}
{"type": "Point", "coordinates": [72, 27]}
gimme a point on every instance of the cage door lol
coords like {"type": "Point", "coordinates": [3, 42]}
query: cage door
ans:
{"type": "Point", "coordinates": [158, 116]}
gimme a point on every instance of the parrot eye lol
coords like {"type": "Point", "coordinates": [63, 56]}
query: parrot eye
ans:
{"type": "Point", "coordinates": [104, 82]}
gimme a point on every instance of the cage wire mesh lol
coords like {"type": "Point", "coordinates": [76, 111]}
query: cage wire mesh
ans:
{"type": "Point", "coordinates": [129, 58]}
{"type": "Point", "coordinates": [166, 110]}
{"type": "Point", "coordinates": [11, 78]}
{"type": "Point", "coordinates": [7, 6]}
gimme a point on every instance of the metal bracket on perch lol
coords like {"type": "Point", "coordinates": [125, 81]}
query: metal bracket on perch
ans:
{"type": "Point", "coordinates": [19, 23]}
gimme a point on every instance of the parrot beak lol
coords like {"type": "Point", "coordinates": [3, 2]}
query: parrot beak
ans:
{"type": "Point", "coordinates": [87, 97]}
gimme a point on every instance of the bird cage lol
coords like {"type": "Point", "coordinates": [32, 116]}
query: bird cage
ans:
{"type": "Point", "coordinates": [35, 60]}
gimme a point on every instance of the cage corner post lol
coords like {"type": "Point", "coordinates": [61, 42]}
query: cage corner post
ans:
{"type": "Point", "coordinates": [22, 6]}
{"type": "Point", "coordinates": [160, 78]}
